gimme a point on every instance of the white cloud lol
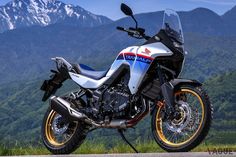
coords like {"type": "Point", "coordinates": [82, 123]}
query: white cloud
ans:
{"type": "Point", "coordinates": [217, 2]}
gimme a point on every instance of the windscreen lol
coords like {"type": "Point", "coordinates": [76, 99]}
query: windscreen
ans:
{"type": "Point", "coordinates": [172, 26]}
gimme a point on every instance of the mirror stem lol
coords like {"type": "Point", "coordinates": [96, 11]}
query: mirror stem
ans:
{"type": "Point", "coordinates": [135, 21]}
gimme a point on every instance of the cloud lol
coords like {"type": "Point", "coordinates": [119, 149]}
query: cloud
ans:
{"type": "Point", "coordinates": [217, 2]}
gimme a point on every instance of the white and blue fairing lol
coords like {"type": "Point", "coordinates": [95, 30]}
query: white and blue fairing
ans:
{"type": "Point", "coordinates": [138, 58]}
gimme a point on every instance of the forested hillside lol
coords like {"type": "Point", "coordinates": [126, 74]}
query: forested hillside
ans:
{"type": "Point", "coordinates": [22, 111]}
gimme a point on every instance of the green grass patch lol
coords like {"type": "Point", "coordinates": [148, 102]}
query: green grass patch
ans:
{"type": "Point", "coordinates": [92, 147]}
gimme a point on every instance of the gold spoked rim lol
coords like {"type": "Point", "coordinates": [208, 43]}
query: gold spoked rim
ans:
{"type": "Point", "coordinates": [182, 130]}
{"type": "Point", "coordinates": [58, 136]}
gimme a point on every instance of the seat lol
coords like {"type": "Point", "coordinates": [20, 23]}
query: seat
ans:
{"type": "Point", "coordinates": [89, 72]}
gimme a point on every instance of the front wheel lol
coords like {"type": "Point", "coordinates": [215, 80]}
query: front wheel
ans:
{"type": "Point", "coordinates": [190, 127]}
{"type": "Point", "coordinates": [60, 136]}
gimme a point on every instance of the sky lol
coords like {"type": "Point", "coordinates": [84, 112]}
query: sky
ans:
{"type": "Point", "coordinates": [111, 8]}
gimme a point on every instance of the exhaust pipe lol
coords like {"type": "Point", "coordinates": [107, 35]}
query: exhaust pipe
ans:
{"type": "Point", "coordinates": [121, 124]}
{"type": "Point", "coordinates": [64, 108]}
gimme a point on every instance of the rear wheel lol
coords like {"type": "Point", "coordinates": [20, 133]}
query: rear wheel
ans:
{"type": "Point", "coordinates": [60, 136]}
{"type": "Point", "coordinates": [190, 127]}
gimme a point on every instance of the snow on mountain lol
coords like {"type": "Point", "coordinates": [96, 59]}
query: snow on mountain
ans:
{"type": "Point", "coordinates": [24, 13]}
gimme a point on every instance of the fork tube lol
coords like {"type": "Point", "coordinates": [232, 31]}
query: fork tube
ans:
{"type": "Point", "coordinates": [167, 90]}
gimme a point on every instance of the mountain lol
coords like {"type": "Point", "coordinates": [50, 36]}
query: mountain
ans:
{"type": "Point", "coordinates": [230, 15]}
{"type": "Point", "coordinates": [26, 52]}
{"type": "Point", "coordinates": [203, 20]}
{"type": "Point", "coordinates": [24, 13]}
{"type": "Point", "coordinates": [230, 18]}
{"type": "Point", "coordinates": [199, 20]}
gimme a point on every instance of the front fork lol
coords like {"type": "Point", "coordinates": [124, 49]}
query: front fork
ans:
{"type": "Point", "coordinates": [167, 90]}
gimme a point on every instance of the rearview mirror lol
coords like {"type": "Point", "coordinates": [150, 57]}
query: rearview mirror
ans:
{"type": "Point", "coordinates": [126, 10]}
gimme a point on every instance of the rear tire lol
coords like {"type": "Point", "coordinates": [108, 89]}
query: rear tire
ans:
{"type": "Point", "coordinates": [76, 138]}
{"type": "Point", "coordinates": [192, 140]}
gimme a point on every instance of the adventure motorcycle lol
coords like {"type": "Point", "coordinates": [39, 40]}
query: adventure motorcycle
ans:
{"type": "Point", "coordinates": [142, 79]}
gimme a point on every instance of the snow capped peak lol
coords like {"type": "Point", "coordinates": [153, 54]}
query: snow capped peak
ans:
{"type": "Point", "coordinates": [69, 9]}
{"type": "Point", "coordinates": [24, 13]}
{"type": "Point", "coordinates": [35, 1]}
{"type": "Point", "coordinates": [48, 1]}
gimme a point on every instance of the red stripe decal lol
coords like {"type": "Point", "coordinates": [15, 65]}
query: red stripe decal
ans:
{"type": "Point", "coordinates": [138, 55]}
{"type": "Point", "coordinates": [147, 57]}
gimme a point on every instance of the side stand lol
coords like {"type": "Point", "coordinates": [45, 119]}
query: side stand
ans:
{"type": "Point", "coordinates": [125, 139]}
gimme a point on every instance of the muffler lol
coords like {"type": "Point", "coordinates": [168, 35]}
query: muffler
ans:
{"type": "Point", "coordinates": [64, 108]}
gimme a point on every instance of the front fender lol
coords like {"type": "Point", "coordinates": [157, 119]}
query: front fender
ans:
{"type": "Point", "coordinates": [168, 89]}
{"type": "Point", "coordinates": [178, 82]}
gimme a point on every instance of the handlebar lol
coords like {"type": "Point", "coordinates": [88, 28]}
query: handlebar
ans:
{"type": "Point", "coordinates": [120, 28]}
{"type": "Point", "coordinates": [138, 33]}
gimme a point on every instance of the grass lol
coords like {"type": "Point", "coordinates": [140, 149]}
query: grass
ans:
{"type": "Point", "coordinates": [99, 148]}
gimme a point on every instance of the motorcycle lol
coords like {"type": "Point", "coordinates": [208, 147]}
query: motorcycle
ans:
{"type": "Point", "coordinates": [142, 79]}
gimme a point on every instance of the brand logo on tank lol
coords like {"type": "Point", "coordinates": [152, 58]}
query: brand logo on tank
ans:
{"type": "Point", "coordinates": [146, 51]}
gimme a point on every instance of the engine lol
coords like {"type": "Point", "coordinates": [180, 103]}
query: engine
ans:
{"type": "Point", "coordinates": [116, 102]}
